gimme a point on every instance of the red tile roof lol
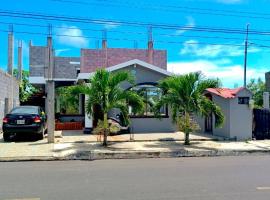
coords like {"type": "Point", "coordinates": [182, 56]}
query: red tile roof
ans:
{"type": "Point", "coordinates": [226, 93]}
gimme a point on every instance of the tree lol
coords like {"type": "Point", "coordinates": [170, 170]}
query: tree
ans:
{"type": "Point", "coordinates": [257, 88]}
{"type": "Point", "coordinates": [26, 89]}
{"type": "Point", "coordinates": [184, 95]}
{"type": "Point", "coordinates": [104, 91]}
{"type": "Point", "coordinates": [69, 100]}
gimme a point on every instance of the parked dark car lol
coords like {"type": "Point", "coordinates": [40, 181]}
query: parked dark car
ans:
{"type": "Point", "coordinates": [24, 120]}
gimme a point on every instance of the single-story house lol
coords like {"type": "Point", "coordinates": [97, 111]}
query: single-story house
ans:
{"type": "Point", "coordinates": [237, 107]}
{"type": "Point", "coordinates": [147, 65]}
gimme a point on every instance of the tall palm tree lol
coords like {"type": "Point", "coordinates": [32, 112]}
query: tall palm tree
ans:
{"type": "Point", "coordinates": [184, 95]}
{"type": "Point", "coordinates": [104, 90]}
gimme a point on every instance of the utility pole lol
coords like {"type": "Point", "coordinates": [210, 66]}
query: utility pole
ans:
{"type": "Point", "coordinates": [245, 61]}
{"type": "Point", "coordinates": [50, 87]}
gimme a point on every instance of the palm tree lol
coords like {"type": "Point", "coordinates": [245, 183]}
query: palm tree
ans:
{"type": "Point", "coordinates": [104, 91]}
{"type": "Point", "coordinates": [184, 95]}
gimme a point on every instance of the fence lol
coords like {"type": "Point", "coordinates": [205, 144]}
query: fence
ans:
{"type": "Point", "coordinates": [261, 124]}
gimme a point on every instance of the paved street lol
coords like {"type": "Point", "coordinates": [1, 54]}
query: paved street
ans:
{"type": "Point", "coordinates": [219, 178]}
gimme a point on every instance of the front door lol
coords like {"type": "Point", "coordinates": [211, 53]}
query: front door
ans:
{"type": "Point", "coordinates": [209, 124]}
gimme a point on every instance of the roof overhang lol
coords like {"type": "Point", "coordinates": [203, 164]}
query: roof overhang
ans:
{"type": "Point", "coordinates": [127, 64]}
{"type": "Point", "coordinates": [39, 80]}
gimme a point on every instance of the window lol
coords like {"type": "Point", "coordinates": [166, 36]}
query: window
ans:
{"type": "Point", "coordinates": [243, 100]}
{"type": "Point", "coordinates": [151, 95]}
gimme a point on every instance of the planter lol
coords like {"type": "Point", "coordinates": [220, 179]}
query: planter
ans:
{"type": "Point", "coordinates": [68, 126]}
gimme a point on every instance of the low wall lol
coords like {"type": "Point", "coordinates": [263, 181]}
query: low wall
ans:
{"type": "Point", "coordinates": [9, 94]}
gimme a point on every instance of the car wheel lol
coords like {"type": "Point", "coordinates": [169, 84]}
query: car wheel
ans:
{"type": "Point", "coordinates": [41, 135]}
{"type": "Point", "coordinates": [6, 137]}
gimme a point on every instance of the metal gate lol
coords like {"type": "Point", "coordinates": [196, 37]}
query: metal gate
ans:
{"type": "Point", "coordinates": [261, 124]}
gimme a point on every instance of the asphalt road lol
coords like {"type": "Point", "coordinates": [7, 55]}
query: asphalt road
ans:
{"type": "Point", "coordinates": [220, 178]}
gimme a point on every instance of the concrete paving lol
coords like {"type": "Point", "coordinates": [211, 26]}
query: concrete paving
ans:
{"type": "Point", "coordinates": [78, 136]}
{"type": "Point", "coordinates": [157, 148]}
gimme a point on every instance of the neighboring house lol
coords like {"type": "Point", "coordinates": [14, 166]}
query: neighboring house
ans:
{"type": "Point", "coordinates": [9, 93]}
{"type": "Point", "coordinates": [235, 104]}
{"type": "Point", "coordinates": [147, 65]}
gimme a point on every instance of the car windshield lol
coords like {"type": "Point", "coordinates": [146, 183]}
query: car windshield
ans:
{"type": "Point", "coordinates": [25, 110]}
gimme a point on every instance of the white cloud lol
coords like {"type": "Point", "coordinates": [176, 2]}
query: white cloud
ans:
{"type": "Point", "coordinates": [72, 36]}
{"type": "Point", "coordinates": [229, 74]}
{"type": "Point", "coordinates": [189, 25]}
{"type": "Point", "coordinates": [193, 47]}
{"type": "Point", "coordinates": [59, 51]}
{"type": "Point", "coordinates": [111, 25]}
{"type": "Point", "coordinates": [230, 1]}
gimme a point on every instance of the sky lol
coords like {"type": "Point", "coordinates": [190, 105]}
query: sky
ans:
{"type": "Point", "coordinates": [216, 54]}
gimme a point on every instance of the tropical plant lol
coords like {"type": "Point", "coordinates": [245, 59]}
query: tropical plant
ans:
{"type": "Point", "coordinates": [26, 89]}
{"type": "Point", "coordinates": [257, 88]}
{"type": "Point", "coordinates": [184, 95]}
{"type": "Point", "coordinates": [104, 90]}
{"type": "Point", "coordinates": [69, 99]}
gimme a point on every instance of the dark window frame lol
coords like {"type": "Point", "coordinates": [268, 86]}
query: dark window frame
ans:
{"type": "Point", "coordinates": [243, 100]}
{"type": "Point", "coordinates": [166, 115]}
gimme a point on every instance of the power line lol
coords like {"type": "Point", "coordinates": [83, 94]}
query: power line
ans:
{"type": "Point", "coordinates": [174, 8]}
{"type": "Point", "coordinates": [124, 39]}
{"type": "Point", "coordinates": [128, 23]}
{"type": "Point", "coordinates": [131, 32]}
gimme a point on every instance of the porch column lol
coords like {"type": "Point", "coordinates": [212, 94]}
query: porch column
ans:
{"type": "Point", "coordinates": [57, 104]}
{"type": "Point", "coordinates": [81, 109]}
{"type": "Point", "coordinates": [88, 120]}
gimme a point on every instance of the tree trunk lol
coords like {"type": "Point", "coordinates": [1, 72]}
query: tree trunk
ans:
{"type": "Point", "coordinates": [106, 129]}
{"type": "Point", "coordinates": [187, 124]}
{"type": "Point", "coordinates": [187, 142]}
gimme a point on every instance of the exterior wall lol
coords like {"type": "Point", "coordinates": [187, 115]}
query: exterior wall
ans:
{"type": "Point", "coordinates": [224, 104]}
{"type": "Point", "coordinates": [91, 59]}
{"type": "Point", "coordinates": [63, 66]}
{"type": "Point", "coordinates": [37, 60]}
{"type": "Point", "coordinates": [7, 85]}
{"type": "Point", "coordinates": [149, 125]}
{"type": "Point", "coordinates": [240, 118]}
{"type": "Point", "coordinates": [152, 125]}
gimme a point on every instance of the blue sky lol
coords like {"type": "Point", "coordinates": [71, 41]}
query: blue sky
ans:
{"type": "Point", "coordinates": [187, 50]}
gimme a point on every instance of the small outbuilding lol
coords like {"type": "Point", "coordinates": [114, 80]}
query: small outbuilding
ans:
{"type": "Point", "coordinates": [237, 108]}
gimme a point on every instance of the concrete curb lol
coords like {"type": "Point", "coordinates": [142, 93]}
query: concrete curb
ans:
{"type": "Point", "coordinates": [103, 155]}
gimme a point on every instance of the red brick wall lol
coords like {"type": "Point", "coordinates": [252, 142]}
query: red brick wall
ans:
{"type": "Point", "coordinates": [91, 59]}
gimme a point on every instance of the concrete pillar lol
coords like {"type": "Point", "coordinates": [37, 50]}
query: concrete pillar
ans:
{"type": "Point", "coordinates": [150, 52]}
{"type": "Point", "coordinates": [6, 106]}
{"type": "Point", "coordinates": [19, 76]}
{"type": "Point", "coordinates": [10, 50]}
{"type": "Point", "coordinates": [50, 90]}
{"type": "Point", "coordinates": [266, 100]}
{"type": "Point", "coordinates": [50, 111]}
{"type": "Point", "coordinates": [81, 104]}
{"type": "Point", "coordinates": [58, 104]}
{"type": "Point", "coordinates": [150, 46]}
{"type": "Point", "coordinates": [88, 121]}
{"type": "Point", "coordinates": [10, 64]}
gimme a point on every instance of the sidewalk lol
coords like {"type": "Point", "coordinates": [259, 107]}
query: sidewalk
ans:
{"type": "Point", "coordinates": [41, 150]}
{"type": "Point", "coordinates": [78, 136]}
